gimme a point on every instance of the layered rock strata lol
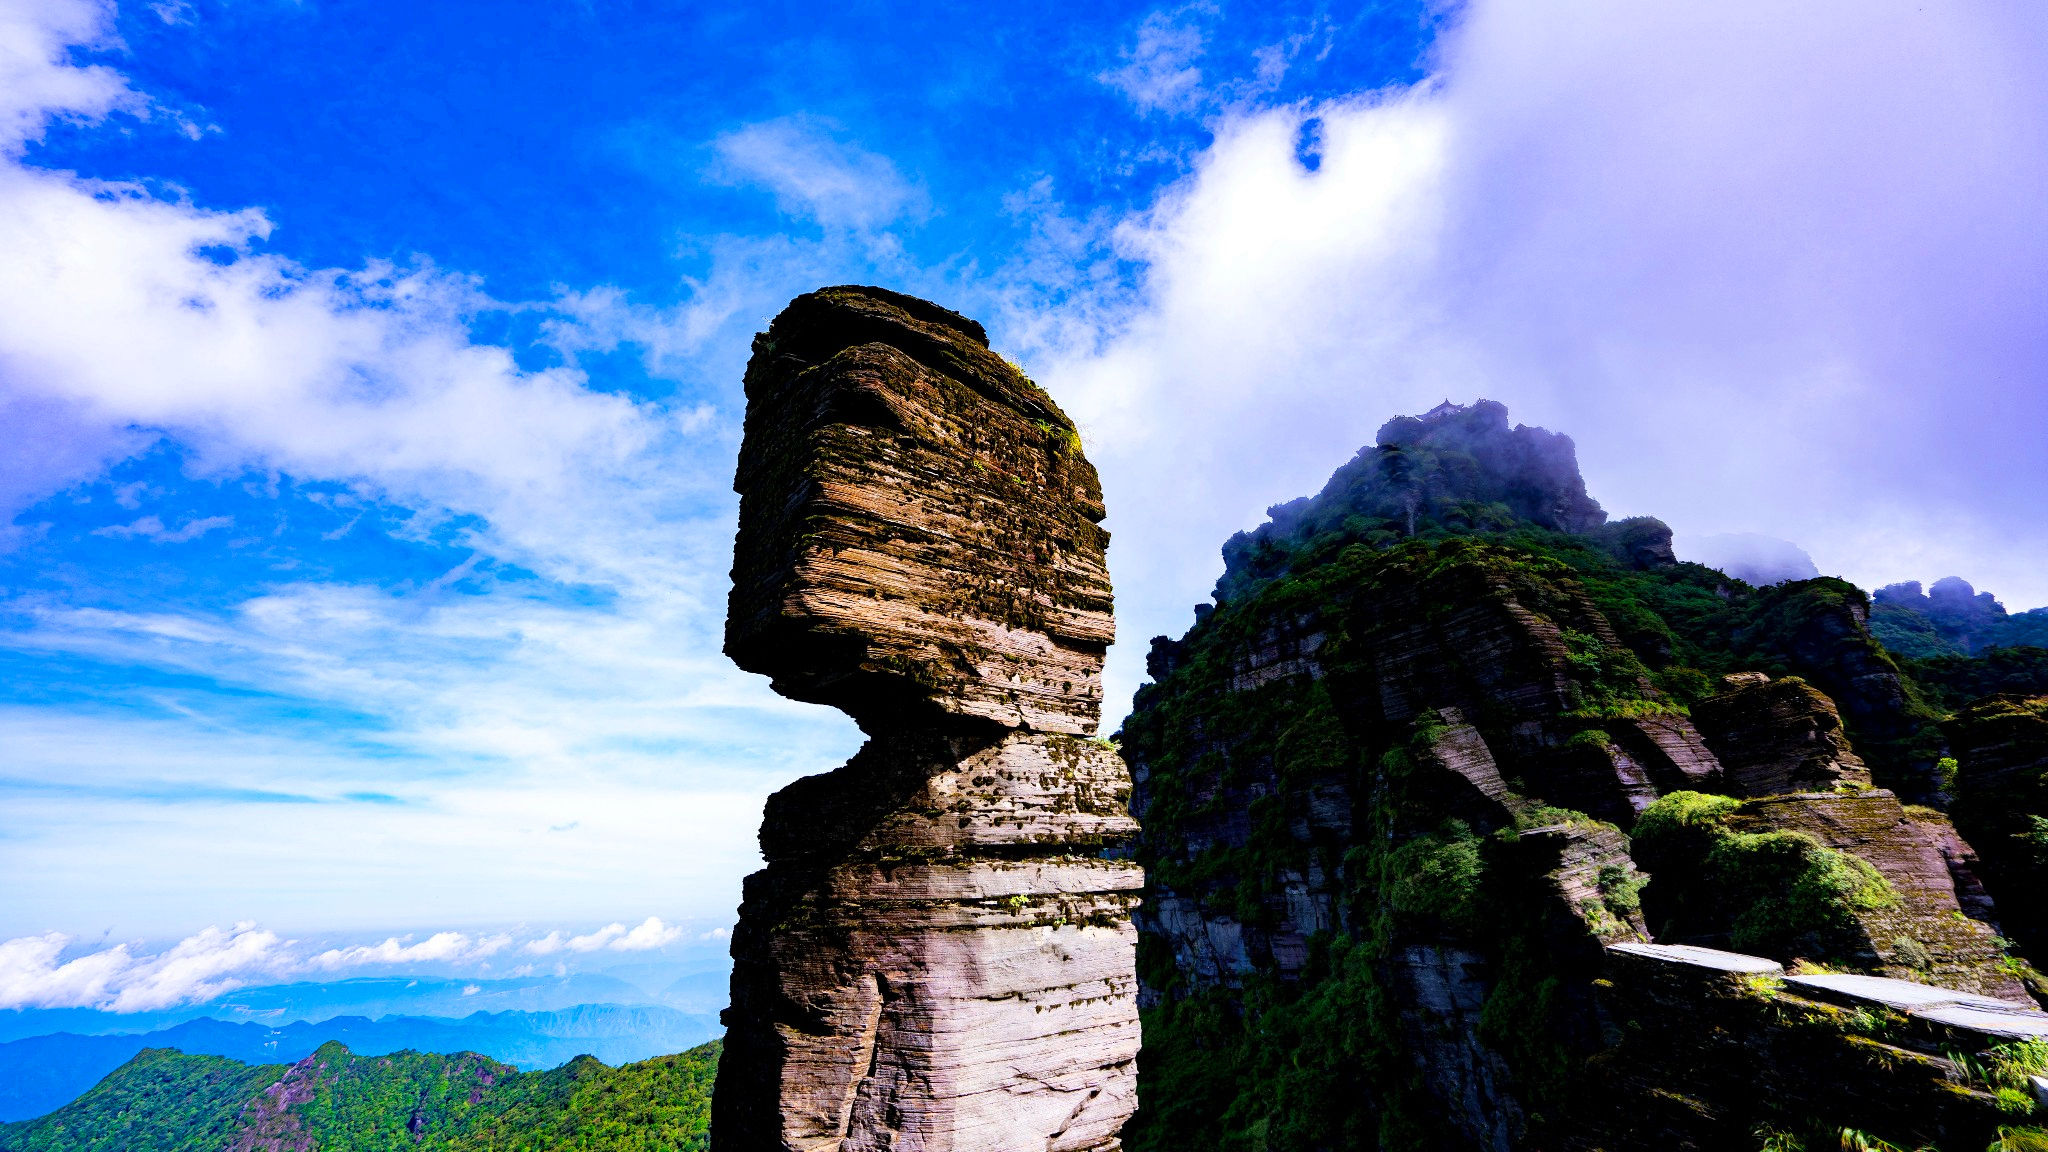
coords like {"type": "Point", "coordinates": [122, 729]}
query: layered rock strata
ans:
{"type": "Point", "coordinates": [1924, 934]}
{"type": "Point", "coordinates": [1778, 736]}
{"type": "Point", "coordinates": [1781, 743]}
{"type": "Point", "coordinates": [938, 956]}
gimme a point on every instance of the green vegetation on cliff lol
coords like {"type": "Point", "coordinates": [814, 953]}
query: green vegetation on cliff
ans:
{"type": "Point", "coordinates": [1781, 893]}
{"type": "Point", "coordinates": [166, 1101]}
{"type": "Point", "coordinates": [1951, 619]}
{"type": "Point", "coordinates": [2001, 803]}
{"type": "Point", "coordinates": [160, 1101]}
{"type": "Point", "coordinates": [1383, 783]}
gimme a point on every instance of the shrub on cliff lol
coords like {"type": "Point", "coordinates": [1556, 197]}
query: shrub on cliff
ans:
{"type": "Point", "coordinates": [1778, 893]}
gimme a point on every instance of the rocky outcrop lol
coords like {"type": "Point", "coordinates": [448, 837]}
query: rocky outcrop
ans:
{"type": "Point", "coordinates": [1444, 742]}
{"type": "Point", "coordinates": [1820, 630]}
{"type": "Point", "coordinates": [1456, 463]}
{"type": "Point", "coordinates": [1922, 935]}
{"type": "Point", "coordinates": [1777, 736]}
{"type": "Point", "coordinates": [937, 956]}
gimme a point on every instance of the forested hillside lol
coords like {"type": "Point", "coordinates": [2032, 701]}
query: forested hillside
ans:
{"type": "Point", "coordinates": [167, 1101]}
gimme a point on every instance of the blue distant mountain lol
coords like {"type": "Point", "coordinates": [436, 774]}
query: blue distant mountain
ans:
{"type": "Point", "coordinates": [39, 1074]}
{"type": "Point", "coordinates": [376, 996]}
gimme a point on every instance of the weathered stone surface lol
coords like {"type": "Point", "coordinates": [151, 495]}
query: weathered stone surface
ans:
{"type": "Point", "coordinates": [1472, 777]}
{"type": "Point", "coordinates": [918, 527]}
{"type": "Point", "coordinates": [1965, 870]}
{"type": "Point", "coordinates": [1586, 865]}
{"type": "Point", "coordinates": [938, 956]}
{"type": "Point", "coordinates": [1417, 723]}
{"type": "Point", "coordinates": [1777, 736]}
{"type": "Point", "coordinates": [1926, 935]}
{"type": "Point", "coordinates": [1491, 641]}
{"type": "Point", "coordinates": [1444, 994]}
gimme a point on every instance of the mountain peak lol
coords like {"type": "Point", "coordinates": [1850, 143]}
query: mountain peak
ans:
{"type": "Point", "coordinates": [1457, 467]}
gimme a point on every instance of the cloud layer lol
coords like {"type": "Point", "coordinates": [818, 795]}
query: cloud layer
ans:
{"type": "Point", "coordinates": [36, 973]}
{"type": "Point", "coordinates": [570, 720]}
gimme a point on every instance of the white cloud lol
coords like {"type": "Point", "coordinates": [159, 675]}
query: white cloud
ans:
{"type": "Point", "coordinates": [817, 176]}
{"type": "Point", "coordinates": [598, 681]}
{"type": "Point", "coordinates": [607, 935]}
{"type": "Point", "coordinates": [37, 82]}
{"type": "Point", "coordinates": [649, 934]}
{"type": "Point", "coordinates": [592, 941]}
{"type": "Point", "coordinates": [200, 967]}
{"type": "Point", "coordinates": [152, 528]}
{"type": "Point", "coordinates": [1159, 73]}
{"type": "Point", "coordinates": [31, 975]}
{"type": "Point", "coordinates": [441, 947]}
{"type": "Point", "coordinates": [547, 945]}
{"type": "Point", "coordinates": [207, 964]}
{"type": "Point", "coordinates": [1776, 270]}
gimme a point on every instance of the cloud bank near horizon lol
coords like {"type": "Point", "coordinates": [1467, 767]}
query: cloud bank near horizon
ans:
{"type": "Point", "coordinates": [36, 973]}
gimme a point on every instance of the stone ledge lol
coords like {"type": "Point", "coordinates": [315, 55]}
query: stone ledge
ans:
{"type": "Point", "coordinates": [1992, 1020]}
{"type": "Point", "coordinates": [1697, 957]}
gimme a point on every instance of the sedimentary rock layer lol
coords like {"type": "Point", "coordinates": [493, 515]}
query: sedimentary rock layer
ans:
{"type": "Point", "coordinates": [1777, 736]}
{"type": "Point", "coordinates": [918, 528]}
{"type": "Point", "coordinates": [938, 956]}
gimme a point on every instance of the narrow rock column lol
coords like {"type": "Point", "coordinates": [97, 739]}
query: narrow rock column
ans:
{"type": "Point", "coordinates": [937, 957]}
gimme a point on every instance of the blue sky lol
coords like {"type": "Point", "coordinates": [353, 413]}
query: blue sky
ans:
{"type": "Point", "coordinates": [371, 374]}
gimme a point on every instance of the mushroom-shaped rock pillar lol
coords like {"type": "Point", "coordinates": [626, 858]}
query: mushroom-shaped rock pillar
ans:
{"type": "Point", "coordinates": [939, 954]}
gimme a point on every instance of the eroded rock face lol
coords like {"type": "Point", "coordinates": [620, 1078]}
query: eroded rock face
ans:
{"type": "Point", "coordinates": [1423, 746]}
{"type": "Point", "coordinates": [937, 956]}
{"type": "Point", "coordinates": [1777, 736]}
{"type": "Point", "coordinates": [918, 528]}
{"type": "Point", "coordinates": [1926, 934]}
{"type": "Point", "coordinates": [1781, 743]}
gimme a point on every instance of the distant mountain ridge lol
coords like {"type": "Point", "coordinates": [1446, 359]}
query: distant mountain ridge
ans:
{"type": "Point", "coordinates": [1950, 618]}
{"type": "Point", "coordinates": [40, 1074]}
{"type": "Point", "coordinates": [378, 996]}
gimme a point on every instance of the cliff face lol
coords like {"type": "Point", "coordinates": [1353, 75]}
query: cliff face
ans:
{"type": "Point", "coordinates": [2001, 804]}
{"type": "Point", "coordinates": [937, 956]}
{"type": "Point", "coordinates": [1386, 787]}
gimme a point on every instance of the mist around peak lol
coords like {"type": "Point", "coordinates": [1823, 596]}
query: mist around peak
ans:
{"type": "Point", "coordinates": [1456, 468]}
{"type": "Point", "coordinates": [1750, 557]}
